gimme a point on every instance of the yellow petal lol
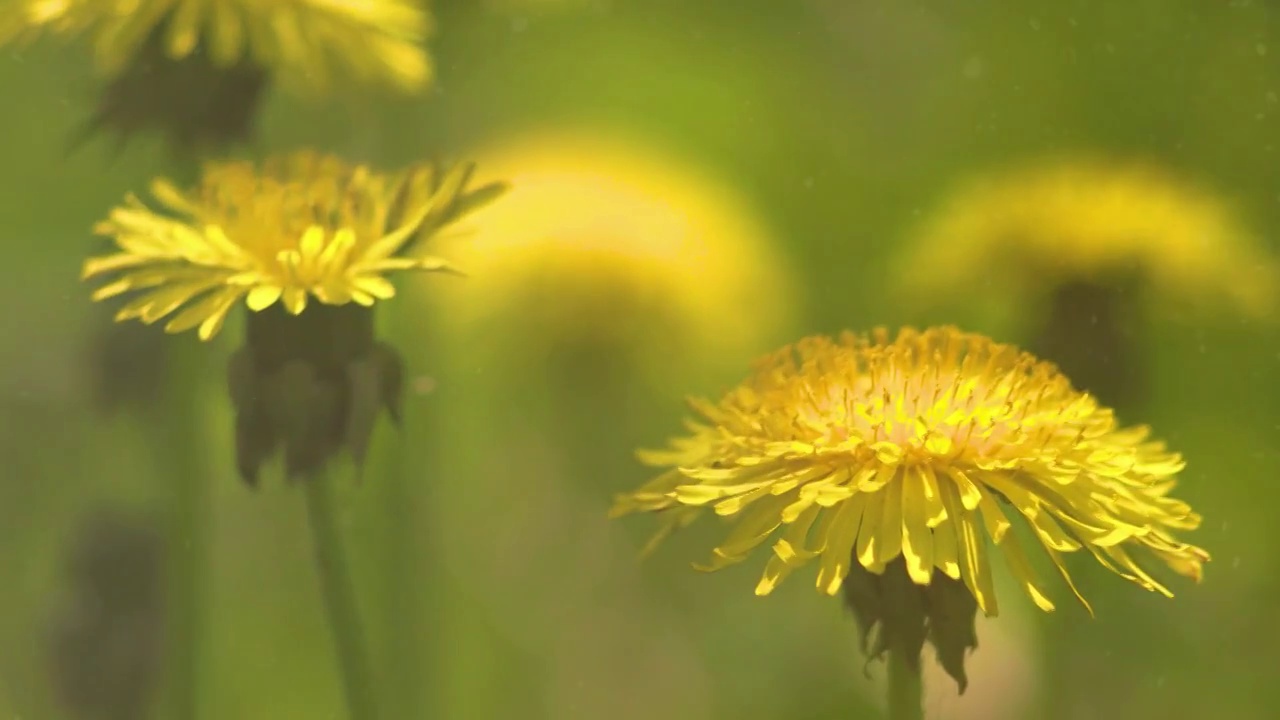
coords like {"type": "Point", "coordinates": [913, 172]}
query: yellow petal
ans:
{"type": "Point", "coordinates": [975, 566]}
{"type": "Point", "coordinates": [150, 277]}
{"type": "Point", "coordinates": [935, 512]}
{"type": "Point", "coordinates": [889, 537]}
{"type": "Point", "coordinates": [837, 556]}
{"type": "Point", "coordinates": [1140, 576]}
{"type": "Point", "coordinates": [111, 263]}
{"type": "Point", "coordinates": [262, 297]}
{"type": "Point", "coordinates": [208, 313]}
{"type": "Point", "coordinates": [163, 189]}
{"type": "Point", "coordinates": [792, 547]}
{"type": "Point", "coordinates": [734, 505]}
{"type": "Point", "coordinates": [997, 524]}
{"type": "Point", "coordinates": [1062, 569]}
{"type": "Point", "coordinates": [227, 35]}
{"type": "Point", "coordinates": [1047, 530]}
{"type": "Point", "coordinates": [869, 532]}
{"type": "Point", "coordinates": [310, 245]}
{"type": "Point", "coordinates": [917, 538]}
{"type": "Point", "coordinates": [703, 494]}
{"type": "Point", "coordinates": [775, 571]}
{"type": "Point", "coordinates": [1023, 573]}
{"type": "Point", "coordinates": [184, 26]}
{"type": "Point", "coordinates": [295, 299]}
{"type": "Point", "coordinates": [334, 257]}
{"type": "Point", "coordinates": [158, 303]}
{"type": "Point", "coordinates": [753, 528]}
{"type": "Point", "coordinates": [970, 495]}
{"type": "Point", "coordinates": [945, 557]}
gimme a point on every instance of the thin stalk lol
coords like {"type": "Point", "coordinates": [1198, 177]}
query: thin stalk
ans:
{"type": "Point", "coordinates": [338, 593]}
{"type": "Point", "coordinates": [185, 471]}
{"type": "Point", "coordinates": [176, 436]}
{"type": "Point", "coordinates": [905, 686]}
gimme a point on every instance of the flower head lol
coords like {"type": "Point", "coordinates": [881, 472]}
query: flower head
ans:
{"type": "Point", "coordinates": [1093, 221]}
{"type": "Point", "coordinates": [871, 450]}
{"type": "Point", "coordinates": [300, 228]}
{"type": "Point", "coordinates": [302, 42]}
{"type": "Point", "coordinates": [605, 242]}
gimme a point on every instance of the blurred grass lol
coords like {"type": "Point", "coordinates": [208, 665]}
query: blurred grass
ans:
{"type": "Point", "coordinates": [841, 123]}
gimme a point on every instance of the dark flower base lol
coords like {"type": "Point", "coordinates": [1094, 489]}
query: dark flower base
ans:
{"type": "Point", "coordinates": [893, 613]}
{"type": "Point", "coordinates": [199, 107]}
{"type": "Point", "coordinates": [311, 385]}
{"type": "Point", "coordinates": [1092, 332]}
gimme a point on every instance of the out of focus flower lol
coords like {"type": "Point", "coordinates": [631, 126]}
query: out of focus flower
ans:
{"type": "Point", "coordinates": [602, 243]}
{"type": "Point", "coordinates": [196, 68]}
{"type": "Point", "coordinates": [303, 42]}
{"type": "Point", "coordinates": [305, 241]}
{"type": "Point", "coordinates": [1078, 250]}
{"type": "Point", "coordinates": [896, 463]}
{"type": "Point", "coordinates": [1036, 228]}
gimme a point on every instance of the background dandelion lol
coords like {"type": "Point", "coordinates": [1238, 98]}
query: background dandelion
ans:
{"type": "Point", "coordinates": [839, 128]}
{"type": "Point", "coordinates": [197, 70]}
{"type": "Point", "coordinates": [608, 243]}
{"type": "Point", "coordinates": [1083, 251]}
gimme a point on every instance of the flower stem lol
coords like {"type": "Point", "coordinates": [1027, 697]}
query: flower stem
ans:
{"type": "Point", "coordinates": [338, 593]}
{"type": "Point", "coordinates": [905, 686]}
{"type": "Point", "coordinates": [178, 442]}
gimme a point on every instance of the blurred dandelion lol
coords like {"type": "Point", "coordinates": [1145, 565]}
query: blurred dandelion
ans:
{"type": "Point", "coordinates": [886, 458]}
{"type": "Point", "coordinates": [196, 69]}
{"type": "Point", "coordinates": [1085, 240]}
{"type": "Point", "coordinates": [606, 244]}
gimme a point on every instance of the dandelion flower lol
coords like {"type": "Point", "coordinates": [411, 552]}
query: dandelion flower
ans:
{"type": "Point", "coordinates": [605, 243]}
{"type": "Point", "coordinates": [196, 69]}
{"type": "Point", "coordinates": [898, 464]}
{"type": "Point", "coordinates": [1091, 220]}
{"type": "Point", "coordinates": [301, 228]}
{"type": "Point", "coordinates": [305, 242]}
{"type": "Point", "coordinates": [1081, 248]}
{"type": "Point", "coordinates": [305, 43]}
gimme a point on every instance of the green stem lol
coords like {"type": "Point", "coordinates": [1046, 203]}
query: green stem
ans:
{"type": "Point", "coordinates": [178, 441]}
{"type": "Point", "coordinates": [905, 686]}
{"type": "Point", "coordinates": [338, 593]}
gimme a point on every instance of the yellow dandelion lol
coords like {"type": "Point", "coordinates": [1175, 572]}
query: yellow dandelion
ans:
{"type": "Point", "coordinates": [301, 227]}
{"type": "Point", "coordinates": [918, 451]}
{"type": "Point", "coordinates": [1051, 223]}
{"type": "Point", "coordinates": [606, 240]}
{"type": "Point", "coordinates": [305, 43]}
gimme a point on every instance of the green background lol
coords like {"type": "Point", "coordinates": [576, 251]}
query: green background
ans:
{"type": "Point", "coordinates": [494, 586]}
